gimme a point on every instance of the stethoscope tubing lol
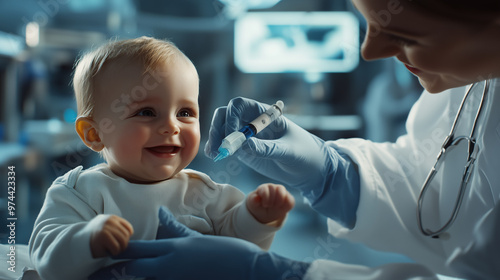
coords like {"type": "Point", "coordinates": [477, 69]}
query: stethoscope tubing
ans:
{"type": "Point", "coordinates": [451, 141]}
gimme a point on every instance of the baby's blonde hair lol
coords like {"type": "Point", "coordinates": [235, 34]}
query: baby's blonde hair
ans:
{"type": "Point", "coordinates": [150, 51]}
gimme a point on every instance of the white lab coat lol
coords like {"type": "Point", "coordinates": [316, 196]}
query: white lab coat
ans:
{"type": "Point", "coordinates": [392, 175]}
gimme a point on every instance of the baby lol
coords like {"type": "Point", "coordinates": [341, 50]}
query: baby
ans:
{"type": "Point", "coordinates": [138, 106]}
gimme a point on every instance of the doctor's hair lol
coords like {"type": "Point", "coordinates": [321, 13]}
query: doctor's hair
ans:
{"type": "Point", "coordinates": [150, 52]}
{"type": "Point", "coordinates": [480, 11]}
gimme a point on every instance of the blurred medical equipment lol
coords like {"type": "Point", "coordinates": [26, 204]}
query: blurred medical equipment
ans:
{"type": "Point", "coordinates": [451, 142]}
{"type": "Point", "coordinates": [11, 47]}
{"type": "Point", "coordinates": [251, 4]}
{"type": "Point", "coordinates": [308, 42]}
{"type": "Point", "coordinates": [233, 141]}
{"type": "Point", "coordinates": [236, 8]}
{"type": "Point", "coordinates": [388, 100]}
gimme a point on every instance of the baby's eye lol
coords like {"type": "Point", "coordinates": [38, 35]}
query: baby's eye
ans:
{"type": "Point", "coordinates": [146, 112]}
{"type": "Point", "coordinates": [185, 113]}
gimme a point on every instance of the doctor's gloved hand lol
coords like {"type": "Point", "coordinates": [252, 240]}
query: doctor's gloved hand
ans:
{"type": "Point", "coordinates": [169, 226]}
{"type": "Point", "coordinates": [288, 153]}
{"type": "Point", "coordinates": [202, 257]}
{"type": "Point", "coordinates": [186, 254]}
{"type": "Point", "coordinates": [282, 151]}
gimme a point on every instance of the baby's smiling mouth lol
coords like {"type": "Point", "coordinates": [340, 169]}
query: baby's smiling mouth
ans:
{"type": "Point", "coordinates": [164, 150]}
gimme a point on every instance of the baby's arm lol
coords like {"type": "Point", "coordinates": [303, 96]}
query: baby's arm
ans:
{"type": "Point", "coordinates": [60, 243]}
{"type": "Point", "coordinates": [110, 236]}
{"type": "Point", "coordinates": [270, 203]}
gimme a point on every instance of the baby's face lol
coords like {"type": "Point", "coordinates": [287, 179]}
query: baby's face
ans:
{"type": "Point", "coordinates": [148, 122]}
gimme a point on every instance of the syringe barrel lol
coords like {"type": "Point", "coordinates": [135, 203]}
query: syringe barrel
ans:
{"type": "Point", "coordinates": [268, 117]}
{"type": "Point", "coordinates": [233, 142]}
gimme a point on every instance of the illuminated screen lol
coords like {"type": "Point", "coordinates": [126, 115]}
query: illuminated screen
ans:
{"type": "Point", "coordinates": [276, 42]}
{"type": "Point", "coordinates": [10, 45]}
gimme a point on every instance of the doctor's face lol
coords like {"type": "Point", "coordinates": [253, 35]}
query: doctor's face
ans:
{"type": "Point", "coordinates": [442, 52]}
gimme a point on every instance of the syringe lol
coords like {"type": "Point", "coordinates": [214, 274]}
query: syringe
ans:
{"type": "Point", "coordinates": [233, 141]}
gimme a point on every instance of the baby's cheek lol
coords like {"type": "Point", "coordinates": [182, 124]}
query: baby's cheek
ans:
{"type": "Point", "coordinates": [131, 142]}
{"type": "Point", "coordinates": [191, 143]}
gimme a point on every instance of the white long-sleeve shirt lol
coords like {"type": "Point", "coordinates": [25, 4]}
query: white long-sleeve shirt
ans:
{"type": "Point", "coordinates": [74, 204]}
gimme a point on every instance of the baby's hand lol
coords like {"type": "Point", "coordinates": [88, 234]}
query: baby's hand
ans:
{"type": "Point", "coordinates": [110, 237]}
{"type": "Point", "coordinates": [270, 203]}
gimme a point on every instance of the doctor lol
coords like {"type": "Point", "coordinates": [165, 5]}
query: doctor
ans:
{"type": "Point", "coordinates": [382, 194]}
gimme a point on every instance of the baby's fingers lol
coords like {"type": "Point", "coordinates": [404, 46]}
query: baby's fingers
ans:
{"type": "Point", "coordinates": [118, 232]}
{"type": "Point", "coordinates": [288, 201]}
{"type": "Point", "coordinates": [117, 241]}
{"type": "Point", "coordinates": [110, 235]}
{"type": "Point", "coordinates": [126, 226]}
{"type": "Point", "coordinates": [274, 195]}
{"type": "Point", "coordinates": [266, 195]}
{"type": "Point", "coordinates": [281, 196]}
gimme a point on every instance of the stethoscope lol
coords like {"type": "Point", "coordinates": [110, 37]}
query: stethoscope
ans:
{"type": "Point", "coordinates": [450, 141]}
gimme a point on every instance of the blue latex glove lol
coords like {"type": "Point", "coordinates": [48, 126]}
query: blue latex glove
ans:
{"type": "Point", "coordinates": [288, 153]}
{"type": "Point", "coordinates": [191, 255]}
{"type": "Point", "coordinates": [169, 226]}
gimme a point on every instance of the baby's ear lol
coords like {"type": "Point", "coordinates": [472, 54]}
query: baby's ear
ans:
{"type": "Point", "coordinates": [86, 129]}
